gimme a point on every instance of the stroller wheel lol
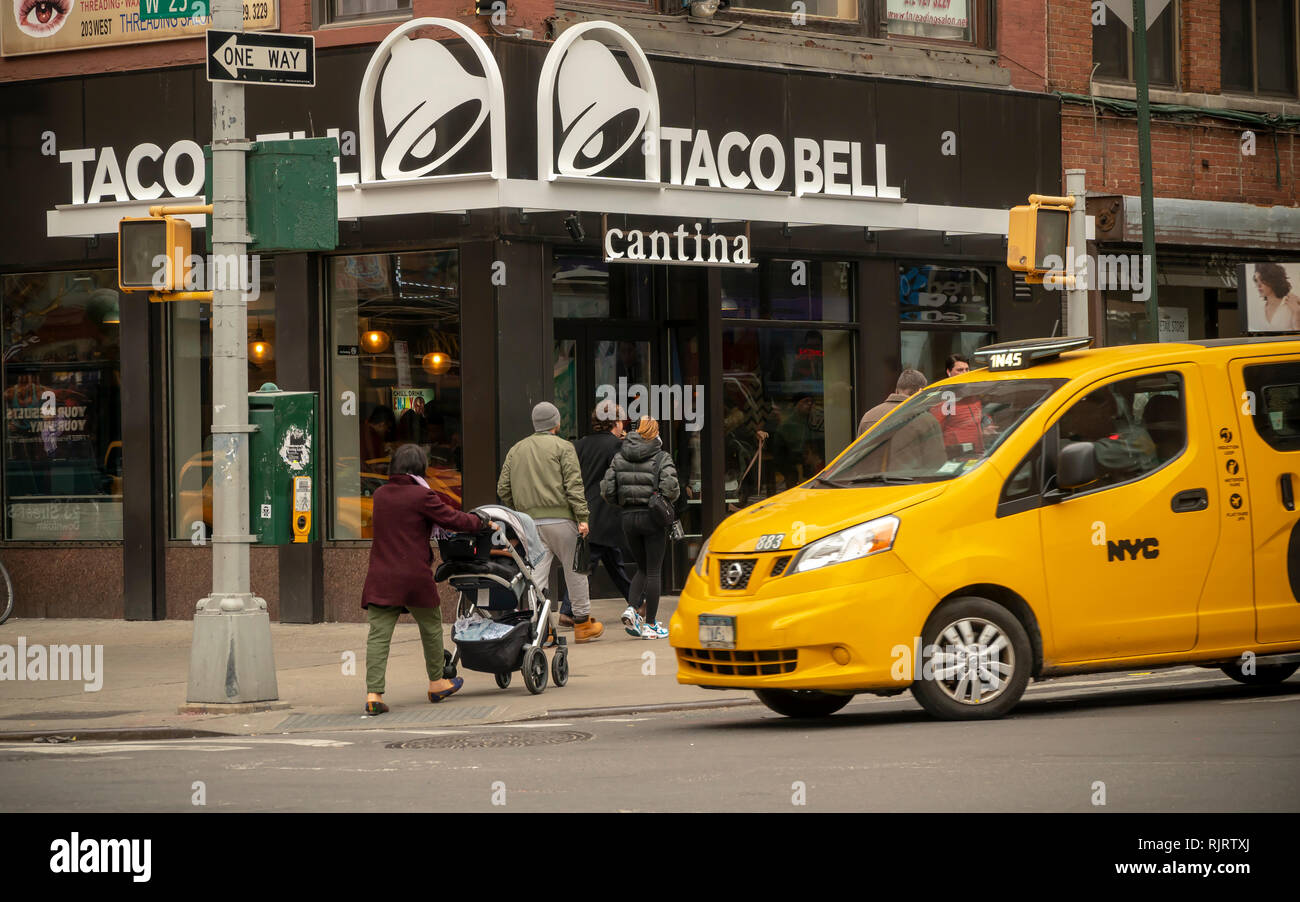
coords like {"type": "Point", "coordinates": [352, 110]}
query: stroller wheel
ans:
{"type": "Point", "coordinates": [534, 670]}
{"type": "Point", "coordinates": [448, 669]}
{"type": "Point", "coordinates": [503, 680]}
{"type": "Point", "coordinates": [560, 667]}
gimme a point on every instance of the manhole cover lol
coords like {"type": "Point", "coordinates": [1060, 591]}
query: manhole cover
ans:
{"type": "Point", "coordinates": [493, 740]}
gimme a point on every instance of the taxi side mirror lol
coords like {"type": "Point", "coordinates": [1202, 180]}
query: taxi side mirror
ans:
{"type": "Point", "coordinates": [1076, 466]}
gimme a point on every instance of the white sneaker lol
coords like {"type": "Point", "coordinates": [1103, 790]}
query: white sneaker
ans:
{"type": "Point", "coordinates": [648, 631]}
{"type": "Point", "coordinates": [661, 632]}
{"type": "Point", "coordinates": [629, 616]}
{"type": "Point", "coordinates": [633, 629]}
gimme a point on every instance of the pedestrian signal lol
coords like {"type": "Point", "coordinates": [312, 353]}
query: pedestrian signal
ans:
{"type": "Point", "coordinates": [152, 253]}
{"type": "Point", "coordinates": [1038, 236]}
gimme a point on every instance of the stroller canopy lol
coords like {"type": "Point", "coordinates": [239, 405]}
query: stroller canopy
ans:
{"type": "Point", "coordinates": [523, 528]}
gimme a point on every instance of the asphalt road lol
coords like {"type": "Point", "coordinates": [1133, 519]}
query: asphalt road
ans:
{"type": "Point", "coordinates": [1182, 740]}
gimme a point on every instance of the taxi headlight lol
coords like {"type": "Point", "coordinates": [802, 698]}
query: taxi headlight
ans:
{"type": "Point", "coordinates": [701, 559]}
{"type": "Point", "coordinates": [859, 541]}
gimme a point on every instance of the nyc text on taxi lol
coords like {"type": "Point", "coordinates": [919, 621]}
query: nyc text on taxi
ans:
{"type": "Point", "coordinates": [1060, 511]}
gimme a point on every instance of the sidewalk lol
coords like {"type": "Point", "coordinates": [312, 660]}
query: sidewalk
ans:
{"type": "Point", "coordinates": [146, 669]}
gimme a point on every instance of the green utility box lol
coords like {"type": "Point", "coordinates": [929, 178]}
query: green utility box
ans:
{"type": "Point", "coordinates": [283, 508]}
{"type": "Point", "coordinates": [293, 195]}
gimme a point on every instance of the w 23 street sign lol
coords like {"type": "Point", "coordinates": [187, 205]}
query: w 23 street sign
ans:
{"type": "Point", "coordinates": [173, 9]}
{"type": "Point", "coordinates": [261, 58]}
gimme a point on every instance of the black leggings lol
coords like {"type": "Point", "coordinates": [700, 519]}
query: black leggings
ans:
{"type": "Point", "coordinates": [648, 540]}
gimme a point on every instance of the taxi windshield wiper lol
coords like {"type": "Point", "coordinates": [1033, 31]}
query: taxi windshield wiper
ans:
{"type": "Point", "coordinates": [830, 482]}
{"type": "Point", "coordinates": [882, 478]}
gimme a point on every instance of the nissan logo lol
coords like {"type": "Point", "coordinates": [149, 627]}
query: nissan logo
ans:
{"type": "Point", "coordinates": [732, 575]}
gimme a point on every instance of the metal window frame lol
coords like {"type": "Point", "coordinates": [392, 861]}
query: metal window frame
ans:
{"type": "Point", "coordinates": [323, 262]}
{"type": "Point", "coordinates": [1253, 53]}
{"type": "Point", "coordinates": [323, 15]}
{"type": "Point", "coordinates": [1175, 52]}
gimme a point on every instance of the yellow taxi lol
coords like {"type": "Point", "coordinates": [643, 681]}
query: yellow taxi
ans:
{"type": "Point", "coordinates": [1058, 511]}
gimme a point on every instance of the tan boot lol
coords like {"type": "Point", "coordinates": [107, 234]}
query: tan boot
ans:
{"type": "Point", "coordinates": [587, 630]}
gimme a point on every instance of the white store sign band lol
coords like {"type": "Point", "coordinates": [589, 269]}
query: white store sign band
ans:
{"type": "Point", "coordinates": [733, 176]}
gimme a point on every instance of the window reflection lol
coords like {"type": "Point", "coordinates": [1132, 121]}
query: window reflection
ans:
{"type": "Point", "coordinates": [62, 391]}
{"type": "Point", "coordinates": [395, 327]}
{"type": "Point", "coordinates": [190, 397]}
{"type": "Point", "coordinates": [787, 407]}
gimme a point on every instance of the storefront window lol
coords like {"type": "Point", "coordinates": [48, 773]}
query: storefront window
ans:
{"type": "Point", "coordinates": [585, 287]}
{"type": "Point", "coordinates": [190, 397]}
{"type": "Point", "coordinates": [952, 306]}
{"type": "Point", "coordinates": [787, 406]}
{"type": "Point", "coordinates": [566, 385]}
{"type": "Point", "coordinates": [950, 21]}
{"type": "Point", "coordinates": [944, 295]}
{"type": "Point", "coordinates": [928, 351]}
{"type": "Point", "coordinates": [807, 290]}
{"type": "Point", "coordinates": [62, 389]}
{"type": "Point", "coordinates": [395, 376]}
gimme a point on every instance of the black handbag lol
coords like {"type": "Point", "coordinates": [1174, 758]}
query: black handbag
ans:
{"type": "Point", "coordinates": [581, 555]}
{"type": "Point", "coordinates": [661, 511]}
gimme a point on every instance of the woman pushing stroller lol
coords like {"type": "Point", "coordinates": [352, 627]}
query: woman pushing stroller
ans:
{"type": "Point", "coordinates": [400, 577]}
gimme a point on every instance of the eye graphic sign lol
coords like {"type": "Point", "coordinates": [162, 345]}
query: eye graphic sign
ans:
{"type": "Point", "coordinates": [45, 26]}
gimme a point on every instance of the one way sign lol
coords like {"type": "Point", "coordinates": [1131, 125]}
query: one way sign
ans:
{"type": "Point", "coordinates": [262, 58]}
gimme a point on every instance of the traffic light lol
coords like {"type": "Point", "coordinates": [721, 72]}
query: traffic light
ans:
{"type": "Point", "coordinates": [141, 242]}
{"type": "Point", "coordinates": [1038, 233]}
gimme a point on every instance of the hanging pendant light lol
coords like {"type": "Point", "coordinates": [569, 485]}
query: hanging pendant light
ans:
{"type": "Point", "coordinates": [375, 341]}
{"type": "Point", "coordinates": [435, 363]}
{"type": "Point", "coordinates": [259, 349]}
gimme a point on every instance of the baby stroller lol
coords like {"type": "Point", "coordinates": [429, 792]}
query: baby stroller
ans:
{"type": "Point", "coordinates": [493, 571]}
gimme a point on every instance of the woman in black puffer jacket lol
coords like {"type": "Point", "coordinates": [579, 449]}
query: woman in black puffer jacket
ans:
{"type": "Point", "coordinates": [629, 484]}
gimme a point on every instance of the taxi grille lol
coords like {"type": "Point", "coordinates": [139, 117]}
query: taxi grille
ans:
{"type": "Point", "coordinates": [733, 579]}
{"type": "Point", "coordinates": [781, 563]}
{"type": "Point", "coordinates": [726, 662]}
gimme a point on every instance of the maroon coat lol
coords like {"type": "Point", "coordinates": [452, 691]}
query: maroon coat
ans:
{"type": "Point", "coordinates": [400, 573]}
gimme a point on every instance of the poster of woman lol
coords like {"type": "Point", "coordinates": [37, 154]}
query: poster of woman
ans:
{"type": "Point", "coordinates": [1272, 296]}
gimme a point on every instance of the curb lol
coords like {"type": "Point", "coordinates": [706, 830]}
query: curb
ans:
{"type": "Point", "coordinates": [129, 734]}
{"type": "Point", "coordinates": [111, 734]}
{"type": "Point", "coordinates": [570, 713]}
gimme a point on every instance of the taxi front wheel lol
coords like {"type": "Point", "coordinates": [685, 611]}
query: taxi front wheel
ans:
{"type": "Point", "coordinates": [802, 702]}
{"type": "Point", "coordinates": [978, 661]}
{"type": "Point", "coordinates": [1264, 675]}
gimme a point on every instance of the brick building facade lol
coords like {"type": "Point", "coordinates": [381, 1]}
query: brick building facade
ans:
{"type": "Point", "coordinates": [1225, 161]}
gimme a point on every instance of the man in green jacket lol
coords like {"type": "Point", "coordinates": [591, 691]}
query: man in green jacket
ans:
{"type": "Point", "coordinates": [542, 478]}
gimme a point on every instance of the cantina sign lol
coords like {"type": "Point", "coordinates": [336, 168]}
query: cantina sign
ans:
{"type": "Point", "coordinates": [679, 246]}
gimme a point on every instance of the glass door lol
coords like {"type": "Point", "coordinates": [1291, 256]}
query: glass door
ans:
{"type": "Point", "coordinates": [594, 362]}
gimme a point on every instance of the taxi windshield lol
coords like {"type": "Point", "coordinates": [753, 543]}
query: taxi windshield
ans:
{"type": "Point", "coordinates": [939, 433]}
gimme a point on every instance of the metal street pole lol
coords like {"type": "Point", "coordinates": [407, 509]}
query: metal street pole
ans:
{"type": "Point", "coordinates": [231, 660]}
{"type": "Point", "coordinates": [1076, 308]}
{"type": "Point", "coordinates": [1144, 156]}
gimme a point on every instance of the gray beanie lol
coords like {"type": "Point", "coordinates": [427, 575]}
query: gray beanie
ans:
{"type": "Point", "coordinates": [546, 416]}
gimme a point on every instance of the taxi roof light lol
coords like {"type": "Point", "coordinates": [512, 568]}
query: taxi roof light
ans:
{"type": "Point", "coordinates": [1019, 355]}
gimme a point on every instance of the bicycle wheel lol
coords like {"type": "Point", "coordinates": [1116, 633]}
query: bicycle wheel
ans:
{"type": "Point", "coordinates": [8, 600]}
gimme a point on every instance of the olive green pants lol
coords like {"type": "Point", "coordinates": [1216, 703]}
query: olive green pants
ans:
{"type": "Point", "coordinates": [382, 620]}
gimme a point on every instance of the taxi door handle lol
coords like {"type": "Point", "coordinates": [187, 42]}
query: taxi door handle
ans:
{"type": "Point", "coordinates": [1288, 494]}
{"type": "Point", "coordinates": [1190, 501]}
